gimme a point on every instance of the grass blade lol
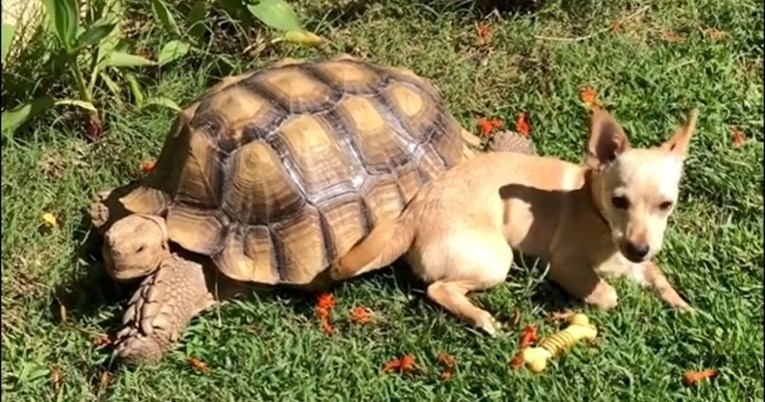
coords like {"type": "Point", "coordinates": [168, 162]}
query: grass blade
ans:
{"type": "Point", "coordinates": [162, 101]}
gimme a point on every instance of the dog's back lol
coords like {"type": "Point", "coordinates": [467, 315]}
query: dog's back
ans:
{"type": "Point", "coordinates": [499, 191]}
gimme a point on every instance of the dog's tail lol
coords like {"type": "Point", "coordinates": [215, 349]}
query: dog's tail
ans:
{"type": "Point", "coordinates": [384, 245]}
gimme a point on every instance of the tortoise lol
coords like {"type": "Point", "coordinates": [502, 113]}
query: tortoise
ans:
{"type": "Point", "coordinates": [264, 180]}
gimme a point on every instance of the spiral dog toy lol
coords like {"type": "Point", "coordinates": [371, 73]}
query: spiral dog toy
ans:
{"type": "Point", "coordinates": [579, 329]}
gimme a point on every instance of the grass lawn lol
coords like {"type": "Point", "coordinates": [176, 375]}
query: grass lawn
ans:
{"type": "Point", "coordinates": [649, 71]}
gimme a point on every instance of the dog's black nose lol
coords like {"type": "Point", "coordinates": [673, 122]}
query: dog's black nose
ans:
{"type": "Point", "coordinates": [635, 251]}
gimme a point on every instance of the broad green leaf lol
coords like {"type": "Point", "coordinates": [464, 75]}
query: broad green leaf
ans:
{"type": "Point", "coordinates": [303, 37]}
{"type": "Point", "coordinates": [113, 14]}
{"type": "Point", "coordinates": [162, 101]}
{"type": "Point", "coordinates": [276, 14]}
{"type": "Point", "coordinates": [172, 51]}
{"type": "Point", "coordinates": [165, 17]}
{"type": "Point", "coordinates": [78, 103]}
{"type": "Point", "coordinates": [65, 19]}
{"type": "Point", "coordinates": [94, 35]}
{"type": "Point", "coordinates": [196, 19]}
{"type": "Point", "coordinates": [122, 59]}
{"type": "Point", "coordinates": [8, 32]}
{"type": "Point", "coordinates": [135, 89]}
{"type": "Point", "coordinates": [12, 119]}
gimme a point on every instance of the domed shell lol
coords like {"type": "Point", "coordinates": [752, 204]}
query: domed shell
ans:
{"type": "Point", "coordinates": [274, 173]}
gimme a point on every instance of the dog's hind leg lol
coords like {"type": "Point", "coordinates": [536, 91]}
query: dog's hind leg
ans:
{"type": "Point", "coordinates": [479, 263]}
{"type": "Point", "coordinates": [452, 297]}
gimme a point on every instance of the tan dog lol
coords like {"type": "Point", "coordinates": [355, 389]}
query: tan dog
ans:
{"type": "Point", "coordinates": [606, 216]}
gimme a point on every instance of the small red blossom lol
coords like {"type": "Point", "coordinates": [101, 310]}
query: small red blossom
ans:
{"type": "Point", "coordinates": [403, 365]}
{"type": "Point", "coordinates": [589, 97]}
{"type": "Point", "coordinates": [487, 126]}
{"type": "Point", "coordinates": [147, 166]}
{"type": "Point", "coordinates": [738, 138]}
{"type": "Point", "coordinates": [360, 315]}
{"type": "Point", "coordinates": [522, 125]}
{"type": "Point", "coordinates": [528, 337]}
{"type": "Point", "coordinates": [693, 377]}
{"type": "Point", "coordinates": [484, 34]}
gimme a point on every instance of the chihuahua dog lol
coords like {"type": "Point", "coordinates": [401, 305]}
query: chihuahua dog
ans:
{"type": "Point", "coordinates": [606, 216]}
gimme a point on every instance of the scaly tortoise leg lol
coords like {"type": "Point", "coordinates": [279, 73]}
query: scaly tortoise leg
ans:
{"type": "Point", "coordinates": [161, 309]}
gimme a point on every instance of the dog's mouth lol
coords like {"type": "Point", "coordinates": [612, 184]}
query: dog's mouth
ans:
{"type": "Point", "coordinates": [632, 255]}
{"type": "Point", "coordinates": [632, 258]}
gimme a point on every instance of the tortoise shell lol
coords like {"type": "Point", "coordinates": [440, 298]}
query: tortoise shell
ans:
{"type": "Point", "coordinates": [276, 172]}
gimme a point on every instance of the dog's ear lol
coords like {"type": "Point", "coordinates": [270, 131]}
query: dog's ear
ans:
{"type": "Point", "coordinates": [680, 141]}
{"type": "Point", "coordinates": [607, 139]}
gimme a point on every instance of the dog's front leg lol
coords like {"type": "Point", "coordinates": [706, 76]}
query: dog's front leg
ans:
{"type": "Point", "coordinates": [659, 284]}
{"type": "Point", "coordinates": [582, 282]}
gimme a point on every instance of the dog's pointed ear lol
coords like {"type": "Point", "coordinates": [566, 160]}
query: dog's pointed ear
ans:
{"type": "Point", "coordinates": [680, 141]}
{"type": "Point", "coordinates": [607, 139]}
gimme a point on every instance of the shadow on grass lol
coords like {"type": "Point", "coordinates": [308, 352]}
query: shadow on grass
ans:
{"type": "Point", "coordinates": [88, 292]}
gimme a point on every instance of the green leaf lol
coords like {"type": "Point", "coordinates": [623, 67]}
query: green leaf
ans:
{"type": "Point", "coordinates": [111, 85]}
{"type": "Point", "coordinates": [115, 89]}
{"type": "Point", "coordinates": [122, 59]}
{"type": "Point", "coordinates": [135, 89]}
{"type": "Point", "coordinates": [276, 14]}
{"type": "Point", "coordinates": [65, 19]}
{"type": "Point", "coordinates": [172, 51]}
{"type": "Point", "coordinates": [74, 102]}
{"type": "Point", "coordinates": [8, 32]}
{"type": "Point", "coordinates": [12, 119]}
{"type": "Point", "coordinates": [165, 17]}
{"type": "Point", "coordinates": [113, 14]}
{"type": "Point", "coordinates": [162, 101]}
{"type": "Point", "coordinates": [94, 35]}
{"type": "Point", "coordinates": [196, 19]}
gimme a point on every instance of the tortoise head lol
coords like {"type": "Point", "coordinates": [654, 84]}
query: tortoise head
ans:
{"type": "Point", "coordinates": [134, 246]}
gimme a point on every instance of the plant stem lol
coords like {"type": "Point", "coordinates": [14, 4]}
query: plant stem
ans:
{"type": "Point", "coordinates": [80, 80]}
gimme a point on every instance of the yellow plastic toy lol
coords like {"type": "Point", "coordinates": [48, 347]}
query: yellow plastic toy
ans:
{"type": "Point", "coordinates": [578, 330]}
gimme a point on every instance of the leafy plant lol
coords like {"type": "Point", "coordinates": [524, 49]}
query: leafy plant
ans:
{"type": "Point", "coordinates": [96, 56]}
{"type": "Point", "coordinates": [279, 15]}
{"type": "Point", "coordinates": [92, 54]}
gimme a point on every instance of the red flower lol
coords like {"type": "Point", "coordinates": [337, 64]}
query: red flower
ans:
{"type": "Point", "coordinates": [486, 127]}
{"type": "Point", "coordinates": [402, 365]}
{"type": "Point", "coordinates": [521, 125]}
{"type": "Point", "coordinates": [360, 315]}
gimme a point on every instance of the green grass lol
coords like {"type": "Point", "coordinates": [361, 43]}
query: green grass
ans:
{"type": "Point", "coordinates": [270, 347]}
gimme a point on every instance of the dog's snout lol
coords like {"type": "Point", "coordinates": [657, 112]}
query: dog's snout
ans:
{"type": "Point", "coordinates": [636, 251]}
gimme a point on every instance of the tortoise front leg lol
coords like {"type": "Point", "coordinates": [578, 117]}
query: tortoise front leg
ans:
{"type": "Point", "coordinates": [160, 310]}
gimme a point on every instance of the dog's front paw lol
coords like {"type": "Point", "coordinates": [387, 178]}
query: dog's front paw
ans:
{"type": "Point", "coordinates": [603, 297]}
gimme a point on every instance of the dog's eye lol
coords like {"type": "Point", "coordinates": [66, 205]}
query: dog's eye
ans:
{"type": "Point", "coordinates": [620, 202]}
{"type": "Point", "coordinates": [665, 206]}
